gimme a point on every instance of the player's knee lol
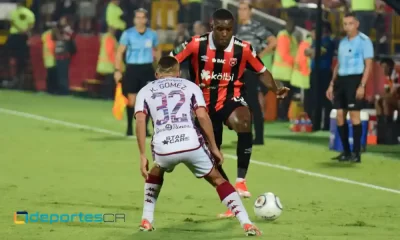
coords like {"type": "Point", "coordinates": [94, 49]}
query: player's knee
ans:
{"type": "Point", "coordinates": [241, 125]}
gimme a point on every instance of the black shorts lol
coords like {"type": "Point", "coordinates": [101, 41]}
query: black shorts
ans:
{"type": "Point", "coordinates": [136, 77]}
{"type": "Point", "coordinates": [344, 93]}
{"type": "Point", "coordinates": [220, 117]}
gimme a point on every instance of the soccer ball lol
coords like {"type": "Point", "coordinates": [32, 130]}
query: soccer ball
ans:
{"type": "Point", "coordinates": [268, 206]}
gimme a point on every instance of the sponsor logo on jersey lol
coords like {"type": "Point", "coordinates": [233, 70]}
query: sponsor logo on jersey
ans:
{"type": "Point", "coordinates": [204, 58]}
{"type": "Point", "coordinates": [216, 60]}
{"type": "Point", "coordinates": [240, 43]}
{"type": "Point", "coordinates": [175, 139]}
{"type": "Point", "coordinates": [233, 61]}
{"type": "Point", "coordinates": [207, 75]}
{"type": "Point", "coordinates": [200, 39]}
{"type": "Point", "coordinates": [170, 127]}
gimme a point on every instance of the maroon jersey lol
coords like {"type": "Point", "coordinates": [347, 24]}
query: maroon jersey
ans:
{"type": "Point", "coordinates": [218, 72]}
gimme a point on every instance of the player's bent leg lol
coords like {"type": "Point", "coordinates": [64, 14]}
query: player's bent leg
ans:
{"type": "Point", "coordinates": [130, 110]}
{"type": "Point", "coordinates": [231, 199]}
{"type": "Point", "coordinates": [152, 189]}
{"type": "Point", "coordinates": [240, 122]}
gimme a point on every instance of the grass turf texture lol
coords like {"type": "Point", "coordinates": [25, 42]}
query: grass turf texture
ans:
{"type": "Point", "coordinates": [50, 168]}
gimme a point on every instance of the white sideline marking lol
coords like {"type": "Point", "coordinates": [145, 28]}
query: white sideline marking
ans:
{"type": "Point", "coordinates": [105, 131]}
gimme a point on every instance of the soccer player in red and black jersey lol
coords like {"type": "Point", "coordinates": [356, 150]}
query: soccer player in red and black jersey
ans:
{"type": "Point", "coordinates": [217, 62]}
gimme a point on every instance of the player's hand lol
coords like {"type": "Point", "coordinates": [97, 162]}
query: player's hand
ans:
{"type": "Point", "coordinates": [117, 76]}
{"type": "Point", "coordinates": [144, 166]}
{"type": "Point", "coordinates": [217, 155]}
{"type": "Point", "coordinates": [282, 92]}
{"type": "Point", "coordinates": [360, 93]}
{"type": "Point", "coordinates": [329, 93]}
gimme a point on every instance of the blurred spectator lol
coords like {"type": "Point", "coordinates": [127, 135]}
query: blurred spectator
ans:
{"type": "Point", "coordinates": [22, 21]}
{"type": "Point", "coordinates": [316, 95]}
{"type": "Point", "coordinates": [282, 66]}
{"type": "Point", "coordinates": [49, 61]}
{"type": "Point", "coordinates": [64, 48]}
{"type": "Point", "coordinates": [114, 16]}
{"type": "Point", "coordinates": [129, 7]}
{"type": "Point", "coordinates": [66, 8]}
{"type": "Point", "coordinates": [86, 13]}
{"type": "Point", "coordinates": [194, 11]}
{"type": "Point", "coordinates": [389, 101]}
{"type": "Point", "coordinates": [181, 36]}
{"type": "Point", "coordinates": [199, 28]}
{"type": "Point", "coordinates": [105, 63]}
{"type": "Point", "coordinates": [264, 43]}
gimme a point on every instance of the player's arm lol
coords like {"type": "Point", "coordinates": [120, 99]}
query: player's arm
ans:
{"type": "Point", "coordinates": [123, 42]}
{"type": "Point", "coordinates": [183, 51]}
{"type": "Point", "coordinates": [141, 112]}
{"type": "Point", "coordinates": [254, 63]}
{"type": "Point", "coordinates": [368, 54]}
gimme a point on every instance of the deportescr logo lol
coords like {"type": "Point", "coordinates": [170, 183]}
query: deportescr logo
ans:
{"type": "Point", "coordinates": [207, 75]}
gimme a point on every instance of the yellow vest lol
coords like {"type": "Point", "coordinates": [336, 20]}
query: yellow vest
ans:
{"type": "Point", "coordinates": [105, 65]}
{"type": "Point", "coordinates": [194, 1]}
{"type": "Point", "coordinates": [288, 3]}
{"type": "Point", "coordinates": [49, 59]}
{"type": "Point", "coordinates": [302, 66]}
{"type": "Point", "coordinates": [282, 70]}
{"type": "Point", "coordinates": [363, 5]}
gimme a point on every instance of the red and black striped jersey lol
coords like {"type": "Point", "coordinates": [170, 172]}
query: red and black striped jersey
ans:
{"type": "Point", "coordinates": [218, 72]}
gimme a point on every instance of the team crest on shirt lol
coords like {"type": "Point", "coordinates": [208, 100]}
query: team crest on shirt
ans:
{"type": "Point", "coordinates": [148, 43]}
{"type": "Point", "coordinates": [233, 61]}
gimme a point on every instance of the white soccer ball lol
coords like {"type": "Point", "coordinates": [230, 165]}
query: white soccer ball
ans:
{"type": "Point", "coordinates": [268, 206]}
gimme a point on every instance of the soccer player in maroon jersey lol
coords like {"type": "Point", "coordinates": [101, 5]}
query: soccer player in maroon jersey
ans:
{"type": "Point", "coordinates": [217, 62]}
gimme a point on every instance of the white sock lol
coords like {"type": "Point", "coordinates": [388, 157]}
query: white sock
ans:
{"type": "Point", "coordinates": [151, 192]}
{"type": "Point", "coordinates": [240, 179]}
{"type": "Point", "coordinates": [231, 199]}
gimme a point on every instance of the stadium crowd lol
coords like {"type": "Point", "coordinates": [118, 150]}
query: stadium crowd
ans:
{"type": "Point", "coordinates": [288, 55]}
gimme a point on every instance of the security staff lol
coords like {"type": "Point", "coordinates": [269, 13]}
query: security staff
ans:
{"type": "Point", "coordinates": [264, 43]}
{"type": "Point", "coordinates": [140, 44]}
{"type": "Point", "coordinates": [347, 87]}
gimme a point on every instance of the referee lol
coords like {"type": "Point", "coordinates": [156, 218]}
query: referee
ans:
{"type": "Point", "coordinates": [264, 43]}
{"type": "Point", "coordinates": [347, 87]}
{"type": "Point", "coordinates": [138, 44]}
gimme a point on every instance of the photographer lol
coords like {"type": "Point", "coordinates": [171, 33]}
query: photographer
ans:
{"type": "Point", "coordinates": [64, 48]}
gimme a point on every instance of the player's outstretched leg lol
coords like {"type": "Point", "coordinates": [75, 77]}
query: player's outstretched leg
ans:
{"type": "Point", "coordinates": [231, 199]}
{"type": "Point", "coordinates": [240, 121]}
{"type": "Point", "coordinates": [152, 189]}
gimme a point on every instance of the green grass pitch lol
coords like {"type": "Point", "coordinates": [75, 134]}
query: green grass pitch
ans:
{"type": "Point", "coordinates": [51, 162]}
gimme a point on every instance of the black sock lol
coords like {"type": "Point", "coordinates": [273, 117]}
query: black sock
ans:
{"type": "Point", "coordinates": [344, 137]}
{"type": "Point", "coordinates": [357, 132]}
{"type": "Point", "coordinates": [243, 152]}
{"type": "Point", "coordinates": [222, 173]}
{"type": "Point", "coordinates": [129, 112]}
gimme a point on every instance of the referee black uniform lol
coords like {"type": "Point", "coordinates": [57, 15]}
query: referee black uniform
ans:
{"type": "Point", "coordinates": [348, 85]}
